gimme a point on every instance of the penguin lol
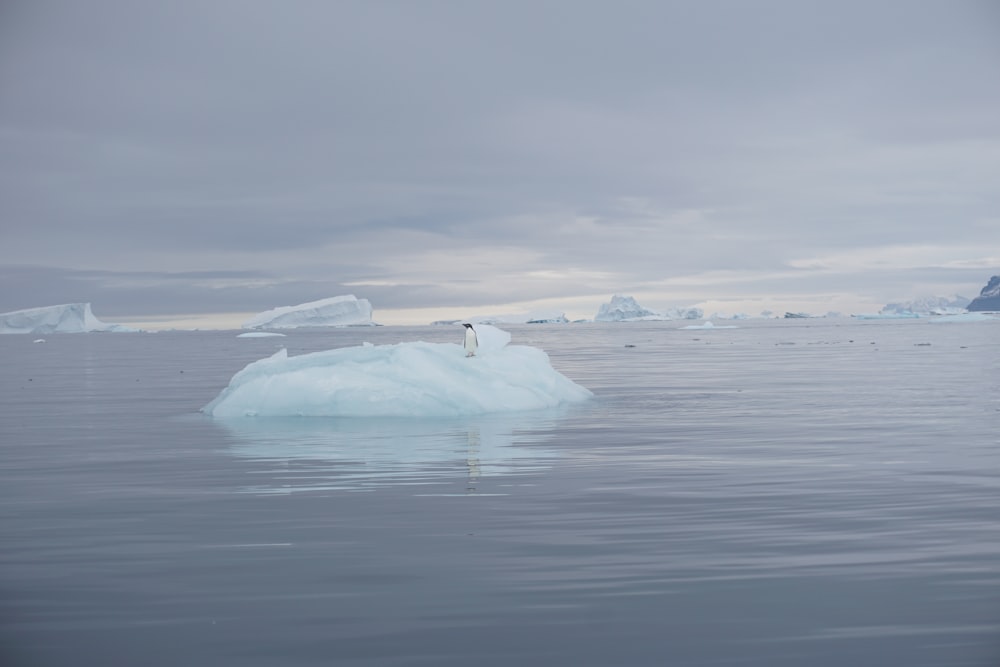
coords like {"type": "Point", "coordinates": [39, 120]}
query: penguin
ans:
{"type": "Point", "coordinates": [471, 342]}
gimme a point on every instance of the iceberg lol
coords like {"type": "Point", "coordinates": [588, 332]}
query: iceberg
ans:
{"type": "Point", "coordinates": [411, 379]}
{"type": "Point", "coordinates": [66, 318]}
{"type": "Point", "coordinates": [928, 305]}
{"type": "Point", "coordinates": [536, 317]}
{"type": "Point", "coordinates": [337, 311]}
{"type": "Point", "coordinates": [625, 309]}
{"type": "Point", "coordinates": [685, 314]}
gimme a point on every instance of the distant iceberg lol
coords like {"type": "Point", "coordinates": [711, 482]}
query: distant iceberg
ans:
{"type": "Point", "coordinates": [535, 317]}
{"type": "Point", "coordinates": [415, 379]}
{"type": "Point", "coordinates": [338, 311]}
{"type": "Point", "coordinates": [66, 318]}
{"type": "Point", "coordinates": [685, 314]}
{"type": "Point", "coordinates": [727, 316]}
{"type": "Point", "coordinates": [928, 305]}
{"type": "Point", "coordinates": [624, 308]}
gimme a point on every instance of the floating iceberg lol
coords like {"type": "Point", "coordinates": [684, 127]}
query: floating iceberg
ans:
{"type": "Point", "coordinates": [337, 311]}
{"type": "Point", "coordinates": [685, 314]}
{"type": "Point", "coordinates": [928, 305]}
{"type": "Point", "coordinates": [415, 379]}
{"type": "Point", "coordinates": [535, 317]}
{"type": "Point", "coordinates": [625, 309]}
{"type": "Point", "coordinates": [66, 318]}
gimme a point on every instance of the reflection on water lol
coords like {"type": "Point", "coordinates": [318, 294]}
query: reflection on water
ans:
{"type": "Point", "coordinates": [359, 454]}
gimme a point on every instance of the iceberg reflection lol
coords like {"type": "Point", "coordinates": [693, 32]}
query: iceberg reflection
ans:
{"type": "Point", "coordinates": [358, 454]}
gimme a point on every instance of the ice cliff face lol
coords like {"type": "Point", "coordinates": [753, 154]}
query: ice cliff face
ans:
{"type": "Point", "coordinates": [989, 298]}
{"type": "Point", "coordinates": [338, 311]}
{"type": "Point", "coordinates": [65, 318]}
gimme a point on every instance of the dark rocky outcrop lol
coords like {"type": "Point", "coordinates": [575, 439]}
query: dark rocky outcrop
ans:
{"type": "Point", "coordinates": [989, 298]}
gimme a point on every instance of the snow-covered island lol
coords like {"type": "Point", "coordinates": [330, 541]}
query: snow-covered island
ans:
{"type": "Point", "coordinates": [625, 309]}
{"type": "Point", "coordinates": [337, 311]}
{"type": "Point", "coordinates": [65, 318]}
{"type": "Point", "coordinates": [413, 379]}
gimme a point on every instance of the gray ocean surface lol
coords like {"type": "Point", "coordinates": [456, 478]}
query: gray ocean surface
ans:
{"type": "Point", "coordinates": [792, 492]}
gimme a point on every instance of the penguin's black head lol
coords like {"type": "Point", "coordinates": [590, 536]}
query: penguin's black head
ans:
{"type": "Point", "coordinates": [467, 326]}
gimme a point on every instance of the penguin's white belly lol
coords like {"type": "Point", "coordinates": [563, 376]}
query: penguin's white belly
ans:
{"type": "Point", "coordinates": [471, 343]}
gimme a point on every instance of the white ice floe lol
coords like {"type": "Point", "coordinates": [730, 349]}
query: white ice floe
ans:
{"type": "Point", "coordinates": [337, 311]}
{"type": "Point", "coordinates": [709, 325]}
{"type": "Point", "coordinates": [65, 318]}
{"type": "Point", "coordinates": [414, 379]}
{"type": "Point", "coordinates": [259, 334]}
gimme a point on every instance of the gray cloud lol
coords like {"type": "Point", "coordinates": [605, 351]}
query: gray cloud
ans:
{"type": "Point", "coordinates": [448, 153]}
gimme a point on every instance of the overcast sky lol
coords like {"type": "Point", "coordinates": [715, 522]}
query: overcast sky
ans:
{"type": "Point", "coordinates": [169, 158]}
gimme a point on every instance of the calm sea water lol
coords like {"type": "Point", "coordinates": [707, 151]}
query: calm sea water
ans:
{"type": "Point", "coordinates": [808, 492]}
